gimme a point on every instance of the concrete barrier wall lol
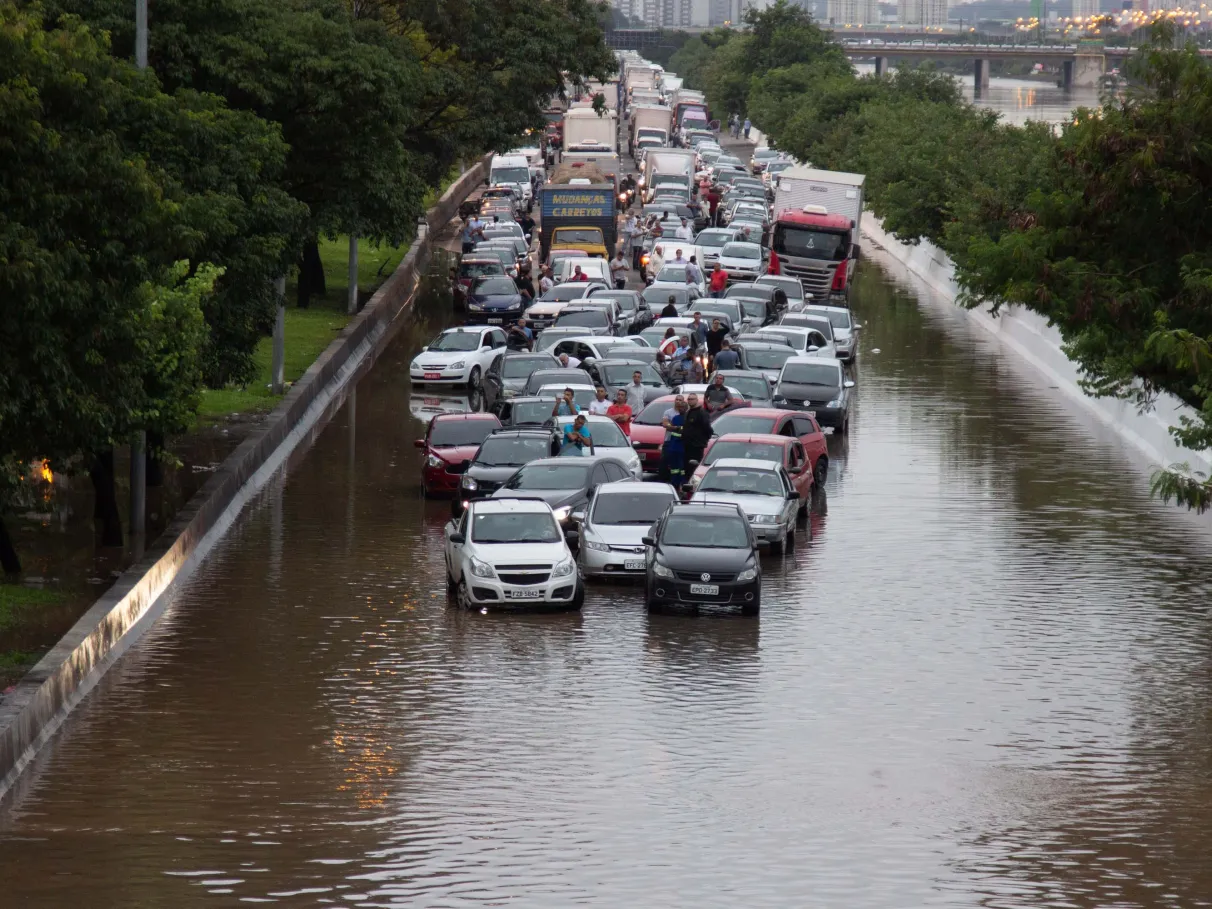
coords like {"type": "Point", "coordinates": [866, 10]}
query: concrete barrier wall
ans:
{"type": "Point", "coordinates": [36, 707]}
{"type": "Point", "coordinates": [1030, 335]}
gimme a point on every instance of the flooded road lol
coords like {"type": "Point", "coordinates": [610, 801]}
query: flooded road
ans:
{"type": "Point", "coordinates": [983, 683]}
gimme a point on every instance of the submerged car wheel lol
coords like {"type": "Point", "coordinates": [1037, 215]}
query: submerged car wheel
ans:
{"type": "Point", "coordinates": [820, 473]}
{"type": "Point", "coordinates": [752, 608]}
{"type": "Point", "coordinates": [473, 378]}
{"type": "Point", "coordinates": [777, 547]}
{"type": "Point", "coordinates": [463, 597]}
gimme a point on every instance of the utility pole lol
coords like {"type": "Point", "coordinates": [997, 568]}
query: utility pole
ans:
{"type": "Point", "coordinates": [138, 445]}
{"type": "Point", "coordinates": [277, 372]}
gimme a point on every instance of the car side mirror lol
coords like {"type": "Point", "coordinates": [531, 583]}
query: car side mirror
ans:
{"type": "Point", "coordinates": [578, 515]}
{"type": "Point", "coordinates": [693, 464]}
{"type": "Point", "coordinates": [793, 495]}
{"type": "Point", "coordinates": [812, 348]}
{"type": "Point", "coordinates": [571, 535]}
{"type": "Point", "coordinates": [458, 538]}
{"type": "Point", "coordinates": [486, 346]}
{"type": "Point", "coordinates": [854, 251]}
{"type": "Point", "coordinates": [849, 383]}
{"type": "Point", "coordinates": [687, 489]}
{"type": "Point", "coordinates": [419, 443]}
{"type": "Point", "coordinates": [648, 541]}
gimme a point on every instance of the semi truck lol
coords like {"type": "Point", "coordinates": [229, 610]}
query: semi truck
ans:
{"type": "Point", "coordinates": [814, 236]}
{"type": "Point", "coordinates": [649, 127]}
{"type": "Point", "coordinates": [578, 209]}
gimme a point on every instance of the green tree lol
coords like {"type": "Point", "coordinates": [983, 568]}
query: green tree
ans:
{"type": "Point", "coordinates": [1117, 253]}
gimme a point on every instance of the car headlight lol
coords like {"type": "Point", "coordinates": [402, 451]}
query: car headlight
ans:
{"type": "Point", "coordinates": [661, 571]}
{"type": "Point", "coordinates": [595, 546]}
{"type": "Point", "coordinates": [836, 402]}
{"type": "Point", "coordinates": [509, 393]}
{"type": "Point", "coordinates": [481, 569]}
{"type": "Point", "coordinates": [765, 519]}
{"type": "Point", "coordinates": [434, 461]}
{"type": "Point", "coordinates": [469, 483]}
{"type": "Point", "coordinates": [562, 513]}
{"type": "Point", "coordinates": [415, 364]}
{"type": "Point", "coordinates": [564, 569]}
{"type": "Point", "coordinates": [747, 575]}
{"type": "Point", "coordinates": [458, 364]}
{"type": "Point", "coordinates": [475, 307]}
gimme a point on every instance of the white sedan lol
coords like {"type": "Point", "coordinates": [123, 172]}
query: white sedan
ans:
{"type": "Point", "coordinates": [510, 553]}
{"type": "Point", "coordinates": [742, 261]}
{"type": "Point", "coordinates": [458, 356]}
{"type": "Point", "coordinates": [614, 524]}
{"type": "Point", "coordinates": [673, 275]}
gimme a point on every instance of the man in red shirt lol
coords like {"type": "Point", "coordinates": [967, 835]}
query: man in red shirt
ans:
{"type": "Point", "coordinates": [620, 411]}
{"type": "Point", "coordinates": [713, 202]}
{"type": "Point", "coordinates": [719, 281]}
{"type": "Point", "coordinates": [578, 275]}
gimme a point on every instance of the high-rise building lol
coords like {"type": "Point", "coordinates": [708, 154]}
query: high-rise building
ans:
{"type": "Point", "coordinates": [853, 12]}
{"type": "Point", "coordinates": [1084, 9]}
{"type": "Point", "coordinates": [926, 13]}
{"type": "Point", "coordinates": [724, 12]}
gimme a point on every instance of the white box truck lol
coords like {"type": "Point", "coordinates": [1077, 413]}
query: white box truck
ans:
{"type": "Point", "coordinates": [669, 168]}
{"type": "Point", "coordinates": [649, 127]}
{"type": "Point", "coordinates": [814, 236]}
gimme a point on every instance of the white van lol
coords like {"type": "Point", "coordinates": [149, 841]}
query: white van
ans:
{"type": "Point", "coordinates": [513, 170]}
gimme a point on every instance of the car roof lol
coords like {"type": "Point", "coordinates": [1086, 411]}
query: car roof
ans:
{"type": "Point", "coordinates": [472, 259]}
{"type": "Point", "coordinates": [505, 505]}
{"type": "Point", "coordinates": [470, 329]}
{"type": "Point", "coordinates": [634, 486]}
{"type": "Point", "coordinates": [782, 329]}
{"type": "Point", "coordinates": [802, 359]}
{"type": "Point", "coordinates": [723, 509]}
{"type": "Point", "coordinates": [750, 463]}
{"type": "Point", "coordinates": [757, 246]}
{"type": "Point", "coordinates": [451, 417]}
{"type": "Point", "coordinates": [766, 438]}
{"type": "Point", "coordinates": [518, 432]}
{"type": "Point", "coordinates": [622, 361]}
{"type": "Point", "coordinates": [764, 412]}
{"type": "Point", "coordinates": [575, 386]}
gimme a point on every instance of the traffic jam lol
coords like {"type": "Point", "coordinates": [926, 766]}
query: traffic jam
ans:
{"type": "Point", "coordinates": [655, 343]}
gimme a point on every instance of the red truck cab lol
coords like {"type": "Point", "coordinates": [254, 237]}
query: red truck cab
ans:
{"type": "Point", "coordinates": [815, 247]}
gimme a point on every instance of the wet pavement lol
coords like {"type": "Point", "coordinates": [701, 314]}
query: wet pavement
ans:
{"type": "Point", "coordinates": [983, 682]}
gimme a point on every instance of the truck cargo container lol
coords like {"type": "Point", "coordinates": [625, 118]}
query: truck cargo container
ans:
{"type": "Point", "coordinates": [648, 127]}
{"type": "Point", "coordinates": [668, 167]}
{"type": "Point", "coordinates": [581, 204]}
{"type": "Point", "coordinates": [814, 236]}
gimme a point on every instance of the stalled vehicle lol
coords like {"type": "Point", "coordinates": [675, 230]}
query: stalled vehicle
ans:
{"type": "Point", "coordinates": [806, 341]}
{"type": "Point", "coordinates": [617, 373]}
{"type": "Point", "coordinates": [791, 288]}
{"type": "Point", "coordinates": [564, 483]}
{"type": "Point", "coordinates": [763, 491]}
{"type": "Point", "coordinates": [845, 329]}
{"type": "Point", "coordinates": [703, 554]}
{"type": "Point", "coordinates": [508, 373]}
{"type": "Point", "coordinates": [765, 357]}
{"type": "Point", "coordinates": [496, 460]}
{"type": "Point", "coordinates": [510, 553]}
{"type": "Point", "coordinates": [525, 412]}
{"type": "Point", "coordinates": [450, 440]}
{"type": "Point", "coordinates": [614, 524]}
{"type": "Point", "coordinates": [458, 356]}
{"type": "Point", "coordinates": [636, 313]}
{"type": "Point", "coordinates": [754, 446]}
{"type": "Point", "coordinates": [817, 385]}
{"type": "Point", "coordinates": [779, 422]}
{"type": "Point", "coordinates": [494, 301]}
{"type": "Point", "coordinates": [815, 233]}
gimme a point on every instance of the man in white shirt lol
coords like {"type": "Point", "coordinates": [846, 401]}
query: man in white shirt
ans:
{"type": "Point", "coordinates": [600, 405]}
{"type": "Point", "coordinates": [635, 393]}
{"type": "Point", "coordinates": [569, 362]}
{"type": "Point", "coordinates": [685, 231]}
{"type": "Point", "coordinates": [545, 282]}
{"type": "Point", "coordinates": [619, 269]}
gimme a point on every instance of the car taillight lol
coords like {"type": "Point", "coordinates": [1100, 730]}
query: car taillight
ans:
{"type": "Point", "coordinates": [840, 276]}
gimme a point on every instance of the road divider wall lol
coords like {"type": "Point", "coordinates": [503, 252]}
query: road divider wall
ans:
{"type": "Point", "coordinates": [40, 702]}
{"type": "Point", "coordinates": [1030, 336]}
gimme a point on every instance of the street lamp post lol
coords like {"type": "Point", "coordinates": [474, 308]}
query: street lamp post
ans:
{"type": "Point", "coordinates": [141, 34]}
{"type": "Point", "coordinates": [138, 446]}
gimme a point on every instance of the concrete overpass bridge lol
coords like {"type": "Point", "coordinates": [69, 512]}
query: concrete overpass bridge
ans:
{"type": "Point", "coordinates": [1081, 65]}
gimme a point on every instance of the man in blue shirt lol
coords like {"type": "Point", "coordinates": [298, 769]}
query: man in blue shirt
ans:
{"type": "Point", "coordinates": [577, 438]}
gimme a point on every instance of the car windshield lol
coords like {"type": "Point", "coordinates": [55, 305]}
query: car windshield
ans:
{"type": "Point", "coordinates": [562, 293]}
{"type": "Point", "coordinates": [587, 236]}
{"type": "Point", "coordinates": [658, 297]}
{"type": "Point", "coordinates": [525, 412]}
{"type": "Point", "coordinates": [753, 387]}
{"type": "Point", "coordinates": [606, 434]}
{"type": "Point", "coordinates": [521, 367]}
{"type": "Point", "coordinates": [792, 288]}
{"type": "Point", "coordinates": [478, 269]}
{"type": "Point", "coordinates": [457, 340]}
{"type": "Point", "coordinates": [767, 357]}
{"type": "Point", "coordinates": [823, 373]}
{"type": "Point", "coordinates": [550, 476]}
{"type": "Point", "coordinates": [653, 413]}
{"type": "Point", "coordinates": [510, 175]}
{"type": "Point", "coordinates": [456, 433]}
{"type": "Point", "coordinates": [705, 532]}
{"type": "Point", "coordinates": [582, 397]}
{"type": "Point", "coordinates": [838, 318]}
{"type": "Point", "coordinates": [731, 310]}
{"type": "Point", "coordinates": [672, 274]}
{"type": "Point", "coordinates": [796, 340]}
{"type": "Point", "coordinates": [626, 299]}
{"type": "Point", "coordinates": [754, 309]}
{"type": "Point", "coordinates": [512, 451]}
{"type": "Point", "coordinates": [553, 336]}
{"type": "Point", "coordinates": [811, 244]}
{"type": "Point", "coordinates": [638, 508]}
{"type": "Point", "coordinates": [621, 375]}
{"type": "Point", "coordinates": [742, 481]}
{"type": "Point", "coordinates": [816, 323]}
{"type": "Point", "coordinates": [593, 318]}
{"type": "Point", "coordinates": [515, 527]}
{"type": "Point", "coordinates": [739, 421]}
{"type": "Point", "coordinates": [753, 451]}
{"type": "Point", "coordinates": [752, 291]}
{"type": "Point", "coordinates": [496, 286]}
{"type": "Point", "coordinates": [569, 376]}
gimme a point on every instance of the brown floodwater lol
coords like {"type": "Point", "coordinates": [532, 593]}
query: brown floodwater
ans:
{"type": "Point", "coordinates": [984, 682]}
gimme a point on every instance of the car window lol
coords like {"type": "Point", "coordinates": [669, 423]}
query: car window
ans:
{"type": "Point", "coordinates": [787, 428]}
{"type": "Point", "coordinates": [615, 471]}
{"type": "Point", "coordinates": [498, 338]}
{"type": "Point", "coordinates": [803, 426]}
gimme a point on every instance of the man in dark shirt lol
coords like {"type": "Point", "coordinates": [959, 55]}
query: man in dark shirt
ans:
{"type": "Point", "coordinates": [717, 396]}
{"type": "Point", "coordinates": [715, 337]}
{"type": "Point", "coordinates": [670, 311]}
{"type": "Point", "coordinates": [696, 430]}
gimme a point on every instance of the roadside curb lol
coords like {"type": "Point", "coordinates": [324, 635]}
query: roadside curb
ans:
{"type": "Point", "coordinates": [37, 705]}
{"type": "Point", "coordinates": [1031, 337]}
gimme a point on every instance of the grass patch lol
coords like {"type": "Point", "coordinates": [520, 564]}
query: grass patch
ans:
{"type": "Point", "coordinates": [16, 601]}
{"type": "Point", "coordinates": [308, 331]}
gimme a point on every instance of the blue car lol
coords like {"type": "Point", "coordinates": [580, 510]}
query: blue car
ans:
{"type": "Point", "coordinates": [494, 300]}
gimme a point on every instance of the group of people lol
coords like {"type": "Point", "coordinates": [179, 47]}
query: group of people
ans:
{"type": "Point", "coordinates": [577, 436]}
{"type": "Point", "coordinates": [688, 430]}
{"type": "Point", "coordinates": [736, 126]}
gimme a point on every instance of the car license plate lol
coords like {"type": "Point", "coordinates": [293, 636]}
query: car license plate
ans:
{"type": "Point", "coordinates": [707, 590]}
{"type": "Point", "coordinates": [433, 375]}
{"type": "Point", "coordinates": [524, 594]}
{"type": "Point", "coordinates": [633, 565]}
{"type": "Point", "coordinates": [495, 321]}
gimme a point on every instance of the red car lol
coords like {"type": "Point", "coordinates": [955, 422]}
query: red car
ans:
{"type": "Point", "coordinates": [761, 447]}
{"type": "Point", "coordinates": [795, 424]}
{"type": "Point", "coordinates": [451, 439]}
{"type": "Point", "coordinates": [648, 435]}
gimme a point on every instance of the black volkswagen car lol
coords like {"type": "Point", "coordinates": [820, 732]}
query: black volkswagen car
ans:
{"type": "Point", "coordinates": [499, 457]}
{"type": "Point", "coordinates": [506, 377]}
{"type": "Point", "coordinates": [703, 554]}
{"type": "Point", "coordinates": [813, 383]}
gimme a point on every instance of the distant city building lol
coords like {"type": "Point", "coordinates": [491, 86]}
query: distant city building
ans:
{"type": "Point", "coordinates": [1084, 9]}
{"type": "Point", "coordinates": [853, 12]}
{"type": "Point", "coordinates": [724, 12]}
{"type": "Point", "coordinates": [926, 13]}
